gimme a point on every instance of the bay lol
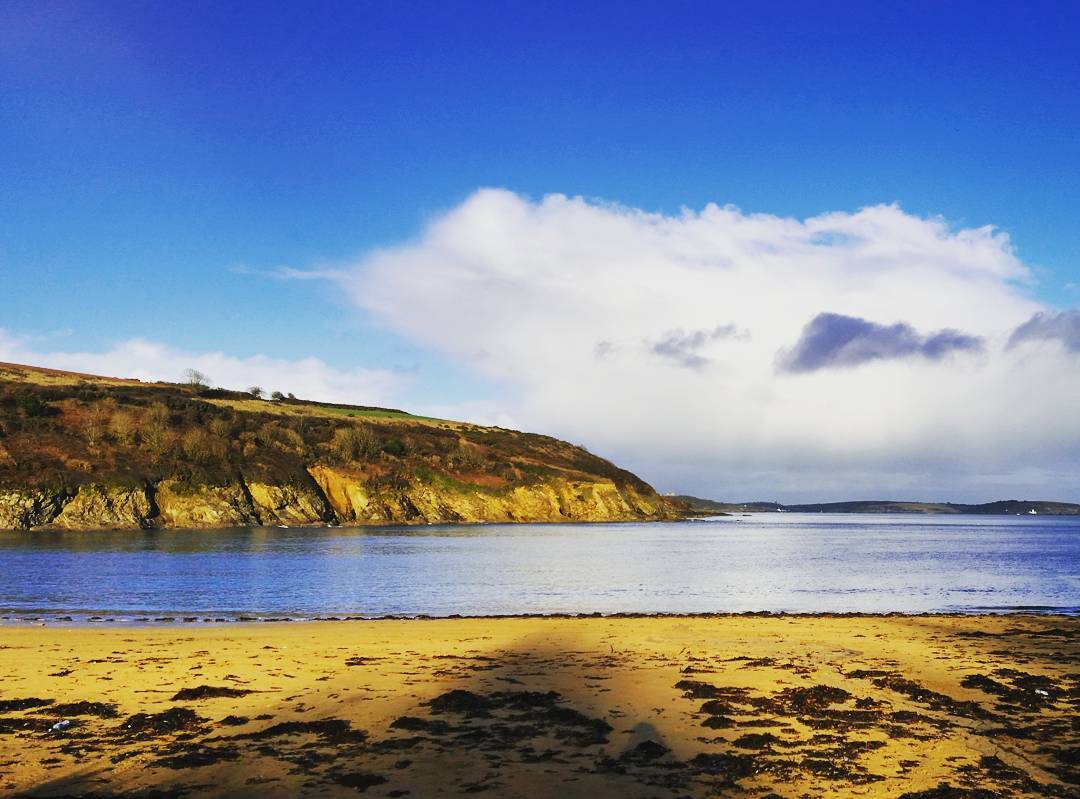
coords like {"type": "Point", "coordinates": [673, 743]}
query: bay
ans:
{"type": "Point", "coordinates": [761, 562]}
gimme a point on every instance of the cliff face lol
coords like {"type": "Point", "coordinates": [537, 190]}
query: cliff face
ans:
{"type": "Point", "coordinates": [333, 498]}
{"type": "Point", "coordinates": [82, 455]}
{"type": "Point", "coordinates": [555, 500]}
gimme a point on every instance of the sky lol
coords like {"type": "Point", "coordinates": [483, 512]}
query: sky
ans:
{"type": "Point", "coordinates": [745, 250]}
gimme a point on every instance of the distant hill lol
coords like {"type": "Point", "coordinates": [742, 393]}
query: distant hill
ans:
{"type": "Point", "coordinates": [708, 507]}
{"type": "Point", "coordinates": [1008, 507]}
{"type": "Point", "coordinates": [86, 452]}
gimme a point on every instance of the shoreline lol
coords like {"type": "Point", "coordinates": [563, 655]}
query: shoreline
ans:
{"type": "Point", "coordinates": [122, 621]}
{"type": "Point", "coordinates": [419, 524]}
{"type": "Point", "coordinates": [378, 525]}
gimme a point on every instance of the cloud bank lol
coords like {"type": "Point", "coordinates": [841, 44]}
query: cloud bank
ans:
{"type": "Point", "coordinates": [685, 348]}
{"type": "Point", "coordinates": [748, 355]}
{"type": "Point", "coordinates": [834, 340]}
{"type": "Point", "coordinates": [1063, 327]}
{"type": "Point", "coordinates": [150, 360]}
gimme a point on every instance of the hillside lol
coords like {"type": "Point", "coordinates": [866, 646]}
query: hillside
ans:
{"type": "Point", "coordinates": [87, 452]}
{"type": "Point", "coordinates": [1002, 507]}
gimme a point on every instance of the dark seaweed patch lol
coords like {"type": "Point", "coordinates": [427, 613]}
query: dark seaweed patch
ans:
{"type": "Point", "coordinates": [646, 751]}
{"type": "Point", "coordinates": [208, 692]}
{"type": "Point", "coordinates": [718, 723]}
{"type": "Point", "coordinates": [416, 724]}
{"type": "Point", "coordinates": [360, 780]}
{"type": "Point", "coordinates": [102, 710]}
{"type": "Point", "coordinates": [729, 768]}
{"type": "Point", "coordinates": [695, 689]}
{"type": "Point", "coordinates": [196, 756]}
{"type": "Point", "coordinates": [947, 791]}
{"type": "Point", "coordinates": [1026, 691]}
{"type": "Point", "coordinates": [512, 717]}
{"type": "Point", "coordinates": [148, 725]}
{"type": "Point", "coordinates": [7, 705]}
{"type": "Point", "coordinates": [756, 740]}
{"type": "Point", "coordinates": [333, 731]}
{"type": "Point", "coordinates": [932, 699]}
{"type": "Point", "coordinates": [812, 699]}
{"type": "Point", "coordinates": [459, 701]}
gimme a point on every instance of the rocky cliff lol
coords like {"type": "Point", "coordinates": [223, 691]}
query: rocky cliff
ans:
{"type": "Point", "coordinates": [82, 453]}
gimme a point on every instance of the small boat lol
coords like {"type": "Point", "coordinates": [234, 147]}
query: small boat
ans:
{"type": "Point", "coordinates": [1032, 512]}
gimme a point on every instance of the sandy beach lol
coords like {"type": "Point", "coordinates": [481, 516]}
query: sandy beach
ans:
{"type": "Point", "coordinates": [969, 707]}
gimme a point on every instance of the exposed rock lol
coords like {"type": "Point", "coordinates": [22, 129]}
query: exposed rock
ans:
{"type": "Point", "coordinates": [344, 490]}
{"type": "Point", "coordinates": [107, 507]}
{"type": "Point", "coordinates": [23, 509]}
{"type": "Point", "coordinates": [289, 504]}
{"type": "Point", "coordinates": [334, 494]}
{"type": "Point", "coordinates": [556, 500]}
{"type": "Point", "coordinates": [204, 506]}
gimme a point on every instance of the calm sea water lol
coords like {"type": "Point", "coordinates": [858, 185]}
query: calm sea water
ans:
{"type": "Point", "coordinates": [774, 562]}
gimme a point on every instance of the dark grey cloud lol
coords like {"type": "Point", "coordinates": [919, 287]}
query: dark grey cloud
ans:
{"type": "Point", "coordinates": [832, 340]}
{"type": "Point", "coordinates": [1063, 326]}
{"type": "Point", "coordinates": [685, 348]}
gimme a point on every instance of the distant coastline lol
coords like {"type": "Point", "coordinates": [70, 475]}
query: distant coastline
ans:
{"type": "Point", "coordinates": [1007, 507]}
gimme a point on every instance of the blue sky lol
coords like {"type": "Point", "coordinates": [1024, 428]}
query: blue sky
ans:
{"type": "Point", "coordinates": [156, 160]}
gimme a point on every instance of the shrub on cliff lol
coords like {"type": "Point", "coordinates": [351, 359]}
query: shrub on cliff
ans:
{"type": "Point", "coordinates": [466, 459]}
{"type": "Point", "coordinates": [32, 405]}
{"type": "Point", "coordinates": [355, 443]}
{"type": "Point", "coordinates": [202, 447]}
{"type": "Point", "coordinates": [395, 447]}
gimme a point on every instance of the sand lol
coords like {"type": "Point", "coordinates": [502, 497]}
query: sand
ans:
{"type": "Point", "coordinates": [763, 706]}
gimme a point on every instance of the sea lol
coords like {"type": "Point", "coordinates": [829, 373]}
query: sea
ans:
{"type": "Point", "coordinates": [773, 562]}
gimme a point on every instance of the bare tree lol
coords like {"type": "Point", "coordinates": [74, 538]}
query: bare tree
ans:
{"type": "Point", "coordinates": [256, 392]}
{"type": "Point", "coordinates": [196, 379]}
{"type": "Point", "coordinates": [93, 427]}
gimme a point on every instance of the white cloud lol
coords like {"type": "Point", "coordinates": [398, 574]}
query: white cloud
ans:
{"type": "Point", "coordinates": [565, 301]}
{"type": "Point", "coordinates": [309, 378]}
{"type": "Point", "coordinates": [481, 412]}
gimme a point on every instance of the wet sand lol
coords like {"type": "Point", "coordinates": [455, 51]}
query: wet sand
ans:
{"type": "Point", "coordinates": [926, 707]}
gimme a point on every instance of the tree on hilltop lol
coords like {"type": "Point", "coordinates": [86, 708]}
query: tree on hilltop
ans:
{"type": "Point", "coordinates": [196, 379]}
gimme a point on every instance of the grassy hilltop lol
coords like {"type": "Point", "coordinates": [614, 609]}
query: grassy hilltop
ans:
{"type": "Point", "coordinates": [81, 451]}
